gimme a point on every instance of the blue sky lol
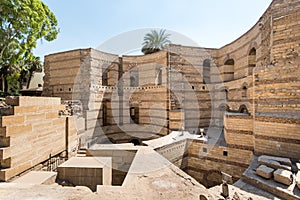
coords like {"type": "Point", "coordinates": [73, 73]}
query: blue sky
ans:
{"type": "Point", "coordinates": [210, 23]}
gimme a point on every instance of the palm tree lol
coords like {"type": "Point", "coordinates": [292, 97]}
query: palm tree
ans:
{"type": "Point", "coordinates": [155, 41]}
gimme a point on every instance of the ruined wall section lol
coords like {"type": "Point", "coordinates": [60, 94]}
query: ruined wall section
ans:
{"type": "Point", "coordinates": [176, 153]}
{"type": "Point", "coordinates": [285, 31]}
{"type": "Point", "coordinates": [101, 72]}
{"type": "Point", "coordinates": [206, 162]}
{"type": "Point", "coordinates": [239, 51]}
{"type": "Point", "coordinates": [274, 90]}
{"type": "Point", "coordinates": [277, 136]}
{"type": "Point", "coordinates": [238, 132]}
{"type": "Point", "coordinates": [150, 105]}
{"type": "Point", "coordinates": [61, 70]}
{"type": "Point", "coordinates": [186, 78]}
{"type": "Point", "coordinates": [31, 132]}
{"type": "Point", "coordinates": [276, 85]}
{"type": "Point", "coordinates": [145, 69]}
{"type": "Point", "coordinates": [109, 117]}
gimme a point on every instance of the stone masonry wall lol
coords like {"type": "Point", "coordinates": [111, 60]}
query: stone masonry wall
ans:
{"type": "Point", "coordinates": [238, 131]}
{"type": "Point", "coordinates": [31, 132]}
{"type": "Point", "coordinates": [277, 136]}
{"type": "Point", "coordinates": [259, 72]}
{"type": "Point", "coordinates": [206, 162]}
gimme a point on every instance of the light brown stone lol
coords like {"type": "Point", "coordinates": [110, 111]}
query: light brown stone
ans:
{"type": "Point", "coordinates": [298, 180]}
{"type": "Point", "coordinates": [265, 171]}
{"type": "Point", "coordinates": [275, 162]}
{"type": "Point", "coordinates": [283, 176]}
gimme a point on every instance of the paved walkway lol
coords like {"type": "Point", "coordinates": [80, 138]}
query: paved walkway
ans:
{"type": "Point", "coordinates": [35, 177]}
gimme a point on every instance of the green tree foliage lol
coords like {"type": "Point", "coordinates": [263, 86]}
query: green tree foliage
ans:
{"type": "Point", "coordinates": [28, 69]}
{"type": "Point", "coordinates": [155, 41]}
{"type": "Point", "coordinates": [23, 23]}
{"type": "Point", "coordinates": [13, 83]}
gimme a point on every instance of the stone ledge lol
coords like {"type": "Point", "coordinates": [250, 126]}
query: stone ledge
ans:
{"type": "Point", "coordinates": [32, 101]}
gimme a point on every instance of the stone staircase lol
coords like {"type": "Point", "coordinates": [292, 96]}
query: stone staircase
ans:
{"type": "Point", "coordinates": [81, 153]}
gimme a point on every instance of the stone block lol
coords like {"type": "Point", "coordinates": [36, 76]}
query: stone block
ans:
{"type": "Point", "coordinates": [35, 117]}
{"type": "Point", "coordinates": [11, 120]}
{"type": "Point", "coordinates": [283, 176]}
{"type": "Point", "coordinates": [12, 100]}
{"type": "Point", "coordinates": [6, 111]}
{"type": "Point", "coordinates": [264, 171]}
{"type": "Point", "coordinates": [32, 101]}
{"type": "Point", "coordinates": [298, 166]}
{"type": "Point", "coordinates": [298, 180]}
{"type": "Point", "coordinates": [14, 130]}
{"type": "Point", "coordinates": [275, 162]}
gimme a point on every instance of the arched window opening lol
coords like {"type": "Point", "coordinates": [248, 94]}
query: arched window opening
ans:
{"type": "Point", "coordinates": [226, 94]}
{"type": "Point", "coordinates": [132, 82]}
{"type": "Point", "coordinates": [251, 61]}
{"type": "Point", "coordinates": [134, 77]}
{"type": "Point", "coordinates": [104, 114]}
{"type": "Point", "coordinates": [104, 78]}
{"type": "Point", "coordinates": [175, 103]}
{"type": "Point", "coordinates": [206, 71]}
{"type": "Point", "coordinates": [244, 92]}
{"type": "Point", "coordinates": [134, 115]}
{"type": "Point", "coordinates": [229, 62]}
{"type": "Point", "coordinates": [243, 109]}
{"type": "Point", "coordinates": [158, 76]}
{"type": "Point", "coordinates": [228, 74]}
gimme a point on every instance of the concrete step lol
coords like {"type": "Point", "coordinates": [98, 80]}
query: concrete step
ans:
{"type": "Point", "coordinates": [81, 153]}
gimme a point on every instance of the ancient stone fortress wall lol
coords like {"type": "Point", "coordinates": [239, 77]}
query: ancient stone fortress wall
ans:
{"type": "Point", "coordinates": [206, 162]}
{"type": "Point", "coordinates": [239, 132]}
{"type": "Point", "coordinates": [31, 131]}
{"type": "Point", "coordinates": [274, 93]}
{"type": "Point", "coordinates": [96, 82]}
{"type": "Point", "coordinates": [258, 75]}
{"type": "Point", "coordinates": [188, 71]}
